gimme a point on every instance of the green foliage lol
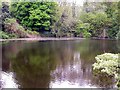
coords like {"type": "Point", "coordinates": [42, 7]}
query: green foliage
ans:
{"type": "Point", "coordinates": [66, 21]}
{"type": "Point", "coordinates": [10, 21]}
{"type": "Point", "coordinates": [39, 16]}
{"type": "Point", "coordinates": [0, 4]}
{"type": "Point", "coordinates": [32, 32]}
{"type": "Point", "coordinates": [97, 22]}
{"type": "Point", "coordinates": [5, 10]}
{"type": "Point", "coordinates": [12, 27]}
{"type": "Point", "coordinates": [97, 19]}
{"type": "Point", "coordinates": [118, 35]}
{"type": "Point", "coordinates": [112, 11]}
{"type": "Point", "coordinates": [103, 18]}
{"type": "Point", "coordinates": [108, 63]}
{"type": "Point", "coordinates": [15, 30]}
{"type": "Point", "coordinates": [3, 35]}
{"type": "Point", "coordinates": [83, 28]}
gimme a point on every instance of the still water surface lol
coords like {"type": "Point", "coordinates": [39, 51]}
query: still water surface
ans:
{"type": "Point", "coordinates": [54, 64]}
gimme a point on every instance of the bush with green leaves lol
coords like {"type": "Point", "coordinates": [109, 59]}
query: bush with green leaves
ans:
{"type": "Point", "coordinates": [108, 63]}
{"type": "Point", "coordinates": [15, 30]}
{"type": "Point", "coordinates": [3, 35]}
{"type": "Point", "coordinates": [37, 16]}
{"type": "Point", "coordinates": [32, 33]}
{"type": "Point", "coordinates": [83, 28]}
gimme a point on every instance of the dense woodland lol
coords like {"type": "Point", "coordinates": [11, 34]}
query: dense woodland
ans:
{"type": "Point", "coordinates": [60, 19]}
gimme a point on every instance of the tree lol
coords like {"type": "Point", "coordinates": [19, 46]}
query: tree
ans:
{"type": "Point", "coordinates": [112, 11]}
{"type": "Point", "coordinates": [4, 14]}
{"type": "Point", "coordinates": [82, 30]}
{"type": "Point", "coordinates": [65, 26]}
{"type": "Point", "coordinates": [97, 20]}
{"type": "Point", "coordinates": [118, 34]}
{"type": "Point", "coordinates": [103, 18]}
{"type": "Point", "coordinates": [38, 16]}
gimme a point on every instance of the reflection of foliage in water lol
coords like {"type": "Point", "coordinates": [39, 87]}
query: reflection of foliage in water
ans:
{"type": "Point", "coordinates": [118, 84]}
{"type": "Point", "coordinates": [103, 80]}
{"type": "Point", "coordinates": [33, 67]}
{"type": "Point", "coordinates": [90, 48]}
{"type": "Point", "coordinates": [85, 48]}
{"type": "Point", "coordinates": [118, 45]}
{"type": "Point", "coordinates": [33, 62]}
{"type": "Point", "coordinates": [3, 42]}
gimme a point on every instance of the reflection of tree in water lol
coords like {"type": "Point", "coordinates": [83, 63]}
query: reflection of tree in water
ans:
{"type": "Point", "coordinates": [32, 67]}
{"type": "Point", "coordinates": [71, 68]}
{"type": "Point", "coordinates": [118, 45]}
{"type": "Point", "coordinates": [104, 80]}
{"type": "Point", "coordinates": [9, 50]}
{"type": "Point", "coordinates": [89, 50]}
{"type": "Point", "coordinates": [75, 64]}
{"type": "Point", "coordinates": [74, 70]}
{"type": "Point", "coordinates": [65, 63]}
{"type": "Point", "coordinates": [72, 61]}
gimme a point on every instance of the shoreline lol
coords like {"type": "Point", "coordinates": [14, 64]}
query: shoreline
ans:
{"type": "Point", "coordinates": [40, 39]}
{"type": "Point", "coordinates": [51, 39]}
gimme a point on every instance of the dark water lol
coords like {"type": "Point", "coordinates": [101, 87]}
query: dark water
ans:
{"type": "Point", "coordinates": [54, 64]}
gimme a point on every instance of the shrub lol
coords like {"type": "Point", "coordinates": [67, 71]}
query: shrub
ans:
{"type": "Point", "coordinates": [32, 32]}
{"type": "Point", "coordinates": [83, 28]}
{"type": "Point", "coordinates": [14, 29]}
{"type": "Point", "coordinates": [3, 35]}
{"type": "Point", "coordinates": [108, 63]}
{"type": "Point", "coordinates": [10, 20]}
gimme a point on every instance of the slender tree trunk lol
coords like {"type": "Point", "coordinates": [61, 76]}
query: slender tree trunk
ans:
{"type": "Point", "coordinates": [104, 33]}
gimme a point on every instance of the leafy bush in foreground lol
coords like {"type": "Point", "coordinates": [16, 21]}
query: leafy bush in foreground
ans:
{"type": "Point", "coordinates": [108, 63]}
